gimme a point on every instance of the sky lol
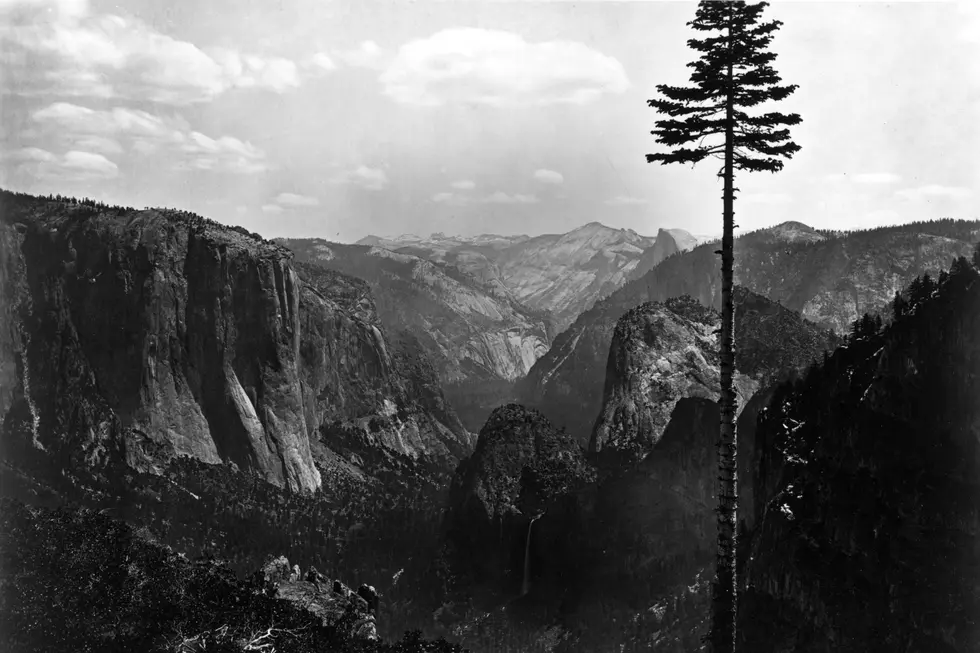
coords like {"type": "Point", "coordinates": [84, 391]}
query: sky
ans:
{"type": "Point", "coordinates": [338, 119]}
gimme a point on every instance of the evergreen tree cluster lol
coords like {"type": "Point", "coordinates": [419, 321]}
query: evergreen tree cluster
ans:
{"type": "Point", "coordinates": [79, 581]}
{"type": "Point", "coordinates": [866, 495]}
{"type": "Point", "coordinates": [85, 207]}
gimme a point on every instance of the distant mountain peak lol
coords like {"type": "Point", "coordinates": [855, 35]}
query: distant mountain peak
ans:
{"type": "Point", "coordinates": [794, 231]}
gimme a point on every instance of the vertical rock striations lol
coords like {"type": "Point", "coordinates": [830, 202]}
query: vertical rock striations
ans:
{"type": "Point", "coordinates": [137, 336]}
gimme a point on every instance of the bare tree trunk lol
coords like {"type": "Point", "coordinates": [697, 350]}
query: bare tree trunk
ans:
{"type": "Point", "coordinates": [724, 597]}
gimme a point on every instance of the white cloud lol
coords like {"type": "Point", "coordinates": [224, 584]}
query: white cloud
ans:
{"type": "Point", "coordinates": [367, 178]}
{"type": "Point", "coordinates": [772, 199]}
{"type": "Point", "coordinates": [367, 55]}
{"type": "Point", "coordinates": [272, 209]}
{"type": "Point", "coordinates": [101, 144]}
{"type": "Point", "coordinates": [862, 178]}
{"type": "Point", "coordinates": [503, 198]}
{"type": "Point", "coordinates": [498, 197]}
{"type": "Point", "coordinates": [463, 184]}
{"type": "Point", "coordinates": [623, 200]}
{"type": "Point", "coordinates": [481, 66]}
{"type": "Point", "coordinates": [877, 178]}
{"type": "Point", "coordinates": [322, 61]}
{"type": "Point", "coordinates": [932, 191]}
{"type": "Point", "coordinates": [60, 46]}
{"type": "Point", "coordinates": [149, 134]}
{"type": "Point", "coordinates": [447, 198]}
{"type": "Point", "coordinates": [292, 199]}
{"type": "Point", "coordinates": [549, 176]}
{"type": "Point", "coordinates": [75, 165]}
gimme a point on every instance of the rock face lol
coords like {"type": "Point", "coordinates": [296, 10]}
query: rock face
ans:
{"type": "Point", "coordinates": [867, 494]}
{"type": "Point", "coordinates": [333, 602]}
{"type": "Point", "coordinates": [480, 340]}
{"type": "Point", "coordinates": [665, 245]}
{"type": "Point", "coordinates": [560, 274]}
{"type": "Point", "coordinates": [675, 339]}
{"type": "Point", "coordinates": [660, 354]}
{"type": "Point", "coordinates": [137, 336]}
{"type": "Point", "coordinates": [521, 465]}
{"type": "Point", "coordinates": [831, 281]}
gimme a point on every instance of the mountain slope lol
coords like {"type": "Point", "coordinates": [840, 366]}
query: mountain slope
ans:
{"type": "Point", "coordinates": [867, 496]}
{"type": "Point", "coordinates": [660, 354]}
{"type": "Point", "coordinates": [831, 281]}
{"type": "Point", "coordinates": [772, 341]}
{"type": "Point", "coordinates": [134, 337]}
{"type": "Point", "coordinates": [479, 340]}
{"type": "Point", "coordinates": [562, 274]}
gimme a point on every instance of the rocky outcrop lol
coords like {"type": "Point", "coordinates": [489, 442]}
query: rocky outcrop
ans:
{"type": "Point", "coordinates": [831, 281]}
{"type": "Point", "coordinates": [365, 396]}
{"type": "Point", "coordinates": [479, 340]}
{"type": "Point", "coordinates": [867, 493]}
{"type": "Point", "coordinates": [520, 468]}
{"type": "Point", "coordinates": [664, 246]}
{"type": "Point", "coordinates": [331, 601]}
{"type": "Point", "coordinates": [660, 355]}
{"type": "Point", "coordinates": [604, 393]}
{"type": "Point", "coordinates": [138, 336]}
{"type": "Point", "coordinates": [559, 274]}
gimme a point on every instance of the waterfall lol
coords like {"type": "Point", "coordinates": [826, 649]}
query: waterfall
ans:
{"type": "Point", "coordinates": [526, 585]}
{"type": "Point", "coordinates": [26, 382]}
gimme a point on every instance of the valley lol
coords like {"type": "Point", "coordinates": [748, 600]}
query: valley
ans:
{"type": "Point", "coordinates": [330, 433]}
{"type": "Point", "coordinates": [688, 362]}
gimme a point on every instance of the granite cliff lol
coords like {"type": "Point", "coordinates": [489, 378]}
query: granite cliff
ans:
{"type": "Point", "coordinates": [830, 278]}
{"type": "Point", "coordinates": [134, 337]}
{"type": "Point", "coordinates": [520, 468]}
{"type": "Point", "coordinates": [479, 339]}
{"type": "Point", "coordinates": [559, 274]}
{"type": "Point", "coordinates": [660, 354]}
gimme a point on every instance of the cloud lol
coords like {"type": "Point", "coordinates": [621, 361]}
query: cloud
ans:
{"type": "Point", "coordinates": [367, 55]}
{"type": "Point", "coordinates": [498, 197]}
{"type": "Point", "coordinates": [877, 178]}
{"type": "Point", "coordinates": [549, 177]}
{"type": "Point", "coordinates": [322, 61]}
{"type": "Point", "coordinates": [447, 198]}
{"type": "Point", "coordinates": [880, 178]}
{"type": "Point", "coordinates": [772, 199]}
{"type": "Point", "coordinates": [271, 209]}
{"type": "Point", "coordinates": [74, 165]}
{"type": "Point", "coordinates": [623, 200]}
{"type": "Point", "coordinates": [374, 179]}
{"type": "Point", "coordinates": [497, 68]}
{"type": "Point", "coordinates": [148, 134]}
{"type": "Point", "coordinates": [503, 198]}
{"type": "Point", "coordinates": [932, 191]}
{"type": "Point", "coordinates": [59, 46]}
{"type": "Point", "coordinates": [463, 184]}
{"type": "Point", "coordinates": [292, 199]}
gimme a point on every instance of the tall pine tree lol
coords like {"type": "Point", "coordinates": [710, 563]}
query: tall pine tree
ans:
{"type": "Point", "coordinates": [709, 118]}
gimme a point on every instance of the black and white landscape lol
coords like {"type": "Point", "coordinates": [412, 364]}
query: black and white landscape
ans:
{"type": "Point", "coordinates": [246, 404]}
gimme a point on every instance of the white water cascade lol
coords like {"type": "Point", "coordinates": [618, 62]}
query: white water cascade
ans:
{"type": "Point", "coordinates": [526, 585]}
{"type": "Point", "coordinates": [26, 382]}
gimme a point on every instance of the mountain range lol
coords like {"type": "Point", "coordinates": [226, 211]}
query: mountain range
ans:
{"type": "Point", "coordinates": [561, 274]}
{"type": "Point", "coordinates": [412, 415]}
{"type": "Point", "coordinates": [831, 279]}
